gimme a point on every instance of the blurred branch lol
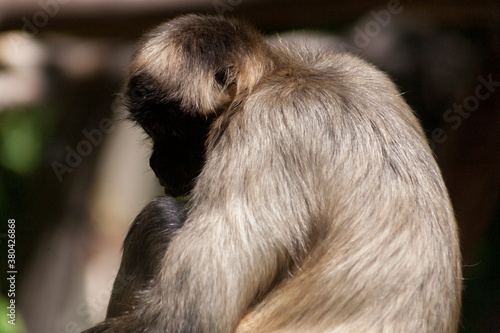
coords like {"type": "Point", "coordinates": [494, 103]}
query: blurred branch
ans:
{"type": "Point", "coordinates": [114, 17]}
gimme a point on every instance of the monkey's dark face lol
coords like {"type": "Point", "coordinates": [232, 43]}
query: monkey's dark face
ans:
{"type": "Point", "coordinates": [178, 136]}
{"type": "Point", "coordinates": [182, 77]}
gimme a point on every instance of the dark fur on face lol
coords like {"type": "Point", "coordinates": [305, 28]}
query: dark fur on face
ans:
{"type": "Point", "coordinates": [178, 138]}
{"type": "Point", "coordinates": [315, 202]}
{"type": "Point", "coordinates": [174, 103]}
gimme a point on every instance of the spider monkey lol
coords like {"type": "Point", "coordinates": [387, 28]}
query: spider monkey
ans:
{"type": "Point", "coordinates": [315, 203]}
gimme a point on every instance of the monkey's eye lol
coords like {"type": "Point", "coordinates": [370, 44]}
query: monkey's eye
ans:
{"type": "Point", "coordinates": [139, 88]}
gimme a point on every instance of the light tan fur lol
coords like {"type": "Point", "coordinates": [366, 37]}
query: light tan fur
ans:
{"type": "Point", "coordinates": [319, 207]}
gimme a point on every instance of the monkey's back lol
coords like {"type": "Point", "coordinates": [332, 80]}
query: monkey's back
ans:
{"type": "Point", "coordinates": [383, 254]}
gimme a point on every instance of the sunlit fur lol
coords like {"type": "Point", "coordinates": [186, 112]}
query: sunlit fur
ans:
{"type": "Point", "coordinates": [316, 206]}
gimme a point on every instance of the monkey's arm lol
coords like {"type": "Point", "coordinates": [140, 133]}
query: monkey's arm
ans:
{"type": "Point", "coordinates": [246, 223]}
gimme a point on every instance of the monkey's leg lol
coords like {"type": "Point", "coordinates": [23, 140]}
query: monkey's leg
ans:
{"type": "Point", "coordinates": [143, 250]}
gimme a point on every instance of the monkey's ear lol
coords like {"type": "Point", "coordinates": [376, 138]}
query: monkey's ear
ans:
{"type": "Point", "coordinates": [194, 59]}
{"type": "Point", "coordinates": [225, 76]}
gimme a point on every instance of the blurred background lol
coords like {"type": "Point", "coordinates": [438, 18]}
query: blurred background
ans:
{"type": "Point", "coordinates": [73, 173]}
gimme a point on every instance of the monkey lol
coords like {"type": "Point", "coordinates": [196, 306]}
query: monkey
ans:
{"type": "Point", "coordinates": [315, 203]}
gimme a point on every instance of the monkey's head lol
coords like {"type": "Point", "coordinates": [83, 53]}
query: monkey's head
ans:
{"type": "Point", "coordinates": [185, 73]}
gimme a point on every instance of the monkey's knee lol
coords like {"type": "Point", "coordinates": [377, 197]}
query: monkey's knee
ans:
{"type": "Point", "coordinates": [143, 251]}
{"type": "Point", "coordinates": [150, 234]}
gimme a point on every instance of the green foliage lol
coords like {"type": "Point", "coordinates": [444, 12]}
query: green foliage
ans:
{"type": "Point", "coordinates": [22, 132]}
